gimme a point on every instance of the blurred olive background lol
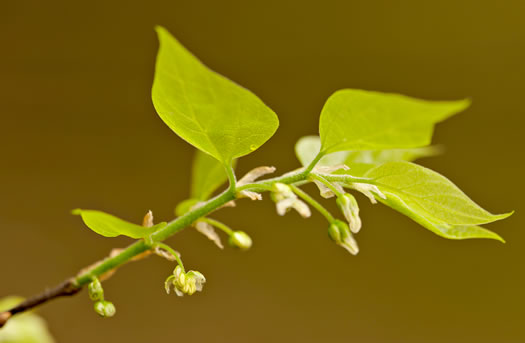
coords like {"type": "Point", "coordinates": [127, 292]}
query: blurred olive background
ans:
{"type": "Point", "coordinates": [78, 130]}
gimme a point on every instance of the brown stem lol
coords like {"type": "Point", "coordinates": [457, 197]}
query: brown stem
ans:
{"type": "Point", "coordinates": [66, 288]}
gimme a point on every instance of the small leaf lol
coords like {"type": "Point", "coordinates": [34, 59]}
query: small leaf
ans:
{"type": "Point", "coordinates": [208, 174]}
{"type": "Point", "coordinates": [307, 148]}
{"type": "Point", "coordinates": [431, 200]}
{"type": "Point", "coordinates": [206, 109]}
{"type": "Point", "coordinates": [362, 120]}
{"type": "Point", "coordinates": [110, 226]}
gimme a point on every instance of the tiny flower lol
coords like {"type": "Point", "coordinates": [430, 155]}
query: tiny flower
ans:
{"type": "Point", "coordinates": [368, 191]}
{"type": "Point", "coordinates": [105, 308]}
{"type": "Point", "coordinates": [184, 283]}
{"type": "Point", "coordinates": [348, 205]}
{"type": "Point", "coordinates": [286, 199]}
{"type": "Point", "coordinates": [341, 235]}
{"type": "Point", "coordinates": [240, 240]}
{"type": "Point", "coordinates": [95, 290]}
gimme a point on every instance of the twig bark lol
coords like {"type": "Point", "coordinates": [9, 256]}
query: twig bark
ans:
{"type": "Point", "coordinates": [66, 288]}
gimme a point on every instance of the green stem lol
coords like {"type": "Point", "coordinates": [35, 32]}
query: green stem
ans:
{"type": "Point", "coordinates": [172, 252]}
{"type": "Point", "coordinates": [158, 236]}
{"type": "Point", "coordinates": [231, 176]}
{"type": "Point", "coordinates": [314, 203]}
{"type": "Point", "coordinates": [218, 225]}
{"type": "Point", "coordinates": [326, 183]}
{"type": "Point", "coordinates": [314, 162]}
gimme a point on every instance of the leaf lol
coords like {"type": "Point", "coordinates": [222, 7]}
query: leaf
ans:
{"type": "Point", "coordinates": [431, 200]}
{"type": "Point", "coordinates": [354, 119]}
{"type": "Point", "coordinates": [26, 327]}
{"type": "Point", "coordinates": [110, 226]}
{"type": "Point", "coordinates": [206, 109]}
{"type": "Point", "coordinates": [207, 175]}
{"type": "Point", "coordinates": [391, 155]}
{"type": "Point", "coordinates": [307, 148]}
{"type": "Point", "coordinates": [438, 227]}
{"type": "Point", "coordinates": [431, 192]}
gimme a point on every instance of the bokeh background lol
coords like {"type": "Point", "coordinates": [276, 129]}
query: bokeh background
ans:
{"type": "Point", "coordinates": [78, 130]}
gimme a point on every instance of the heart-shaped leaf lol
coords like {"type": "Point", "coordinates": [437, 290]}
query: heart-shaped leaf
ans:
{"type": "Point", "coordinates": [206, 109]}
{"type": "Point", "coordinates": [354, 119]}
{"type": "Point", "coordinates": [431, 200]}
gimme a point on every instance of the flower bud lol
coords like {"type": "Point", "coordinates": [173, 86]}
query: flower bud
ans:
{"type": "Point", "coordinates": [105, 308]}
{"type": "Point", "coordinates": [95, 290]}
{"type": "Point", "coordinates": [348, 205]}
{"type": "Point", "coordinates": [340, 233]}
{"type": "Point", "coordinates": [334, 233]}
{"type": "Point", "coordinates": [240, 240]}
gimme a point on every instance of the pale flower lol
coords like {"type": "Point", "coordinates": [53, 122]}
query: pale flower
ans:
{"type": "Point", "coordinates": [348, 205]}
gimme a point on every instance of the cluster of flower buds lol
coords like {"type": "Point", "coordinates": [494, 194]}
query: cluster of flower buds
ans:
{"type": "Point", "coordinates": [285, 199]}
{"type": "Point", "coordinates": [105, 308]}
{"type": "Point", "coordinates": [96, 293]}
{"type": "Point", "coordinates": [348, 205]}
{"type": "Point", "coordinates": [241, 240]}
{"type": "Point", "coordinates": [340, 233]}
{"type": "Point", "coordinates": [184, 282]}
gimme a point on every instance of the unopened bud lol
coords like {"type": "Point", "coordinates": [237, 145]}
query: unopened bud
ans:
{"type": "Point", "coordinates": [95, 290]}
{"type": "Point", "coordinates": [340, 233]}
{"type": "Point", "coordinates": [240, 240]}
{"type": "Point", "coordinates": [348, 205]}
{"type": "Point", "coordinates": [105, 308]}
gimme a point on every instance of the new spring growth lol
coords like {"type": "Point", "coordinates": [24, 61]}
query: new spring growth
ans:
{"type": "Point", "coordinates": [285, 199]}
{"type": "Point", "coordinates": [241, 240]}
{"type": "Point", "coordinates": [348, 205]}
{"type": "Point", "coordinates": [95, 290]}
{"type": "Point", "coordinates": [341, 235]}
{"type": "Point", "coordinates": [105, 308]}
{"type": "Point", "coordinates": [184, 283]}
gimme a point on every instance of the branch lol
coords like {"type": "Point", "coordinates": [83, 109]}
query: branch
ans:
{"type": "Point", "coordinates": [66, 288]}
{"type": "Point", "coordinates": [104, 268]}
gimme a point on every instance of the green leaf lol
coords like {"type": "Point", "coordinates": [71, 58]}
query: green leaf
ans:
{"type": "Point", "coordinates": [207, 175]}
{"type": "Point", "coordinates": [438, 227]}
{"type": "Point", "coordinates": [431, 200]}
{"type": "Point", "coordinates": [391, 155]}
{"type": "Point", "coordinates": [110, 226]}
{"type": "Point", "coordinates": [307, 148]}
{"type": "Point", "coordinates": [26, 327]}
{"type": "Point", "coordinates": [362, 120]}
{"type": "Point", "coordinates": [206, 109]}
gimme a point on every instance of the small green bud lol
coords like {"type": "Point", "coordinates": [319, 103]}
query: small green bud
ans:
{"type": "Point", "coordinates": [334, 233]}
{"type": "Point", "coordinates": [105, 308]}
{"type": "Point", "coordinates": [240, 240]}
{"type": "Point", "coordinates": [340, 233]}
{"type": "Point", "coordinates": [95, 290]}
